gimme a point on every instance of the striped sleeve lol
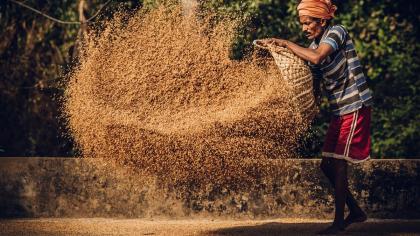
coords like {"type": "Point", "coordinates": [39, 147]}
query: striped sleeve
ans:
{"type": "Point", "coordinates": [335, 38]}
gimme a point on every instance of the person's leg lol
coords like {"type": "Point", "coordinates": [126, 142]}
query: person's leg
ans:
{"type": "Point", "coordinates": [340, 187]}
{"type": "Point", "coordinates": [358, 151]}
{"type": "Point", "coordinates": [336, 172]}
{"type": "Point", "coordinates": [329, 168]}
{"type": "Point", "coordinates": [356, 213]}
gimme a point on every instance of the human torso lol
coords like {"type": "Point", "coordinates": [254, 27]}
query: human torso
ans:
{"type": "Point", "coordinates": [341, 73]}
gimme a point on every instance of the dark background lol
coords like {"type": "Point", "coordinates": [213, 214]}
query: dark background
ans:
{"type": "Point", "coordinates": [35, 54]}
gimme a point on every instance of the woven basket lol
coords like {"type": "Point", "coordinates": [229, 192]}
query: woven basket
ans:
{"type": "Point", "coordinates": [298, 76]}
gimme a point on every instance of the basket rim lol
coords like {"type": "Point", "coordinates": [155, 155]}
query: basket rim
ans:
{"type": "Point", "coordinates": [283, 51]}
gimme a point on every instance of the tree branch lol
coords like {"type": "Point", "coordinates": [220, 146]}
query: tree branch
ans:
{"type": "Point", "coordinates": [58, 20]}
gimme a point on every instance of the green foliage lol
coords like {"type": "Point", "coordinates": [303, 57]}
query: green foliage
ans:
{"type": "Point", "coordinates": [34, 51]}
{"type": "Point", "coordinates": [264, 18]}
{"type": "Point", "coordinates": [385, 34]}
{"type": "Point", "coordinates": [31, 53]}
{"type": "Point", "coordinates": [386, 38]}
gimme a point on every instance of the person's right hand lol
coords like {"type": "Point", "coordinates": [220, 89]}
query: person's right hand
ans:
{"type": "Point", "coordinates": [263, 42]}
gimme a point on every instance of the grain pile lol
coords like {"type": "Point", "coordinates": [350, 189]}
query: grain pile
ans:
{"type": "Point", "coordinates": [159, 94]}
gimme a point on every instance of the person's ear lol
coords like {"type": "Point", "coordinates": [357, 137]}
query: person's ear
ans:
{"type": "Point", "coordinates": [323, 22]}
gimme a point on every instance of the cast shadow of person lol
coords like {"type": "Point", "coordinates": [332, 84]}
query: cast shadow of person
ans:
{"type": "Point", "coordinates": [375, 227]}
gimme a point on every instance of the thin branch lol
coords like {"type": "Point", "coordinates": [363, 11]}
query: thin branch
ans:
{"type": "Point", "coordinates": [45, 15]}
{"type": "Point", "coordinates": [97, 13]}
{"type": "Point", "coordinates": [58, 20]}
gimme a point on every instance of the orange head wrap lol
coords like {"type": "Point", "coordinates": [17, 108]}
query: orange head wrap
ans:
{"type": "Point", "coordinates": [322, 9]}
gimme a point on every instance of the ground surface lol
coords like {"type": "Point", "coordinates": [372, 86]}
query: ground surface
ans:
{"type": "Point", "coordinates": [101, 226]}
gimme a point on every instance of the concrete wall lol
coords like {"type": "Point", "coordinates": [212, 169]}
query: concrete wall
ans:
{"type": "Point", "coordinates": [73, 187]}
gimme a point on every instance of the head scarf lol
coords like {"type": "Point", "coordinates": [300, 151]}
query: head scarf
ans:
{"type": "Point", "coordinates": [322, 9]}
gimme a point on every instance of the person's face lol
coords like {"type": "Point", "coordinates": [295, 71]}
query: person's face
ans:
{"type": "Point", "coordinates": [312, 28]}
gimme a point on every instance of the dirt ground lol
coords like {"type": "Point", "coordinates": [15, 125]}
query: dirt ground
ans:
{"type": "Point", "coordinates": [101, 226]}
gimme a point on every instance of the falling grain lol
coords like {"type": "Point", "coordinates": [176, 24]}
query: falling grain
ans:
{"type": "Point", "coordinates": [159, 95]}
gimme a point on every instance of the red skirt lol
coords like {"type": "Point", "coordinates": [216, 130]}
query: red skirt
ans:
{"type": "Point", "coordinates": [348, 136]}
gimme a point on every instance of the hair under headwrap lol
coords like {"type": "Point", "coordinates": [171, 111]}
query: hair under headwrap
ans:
{"type": "Point", "coordinates": [322, 9]}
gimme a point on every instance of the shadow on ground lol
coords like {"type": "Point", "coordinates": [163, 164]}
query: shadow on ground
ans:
{"type": "Point", "coordinates": [113, 227]}
{"type": "Point", "coordinates": [367, 228]}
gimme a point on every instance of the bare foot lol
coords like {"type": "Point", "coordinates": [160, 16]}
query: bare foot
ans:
{"type": "Point", "coordinates": [354, 218]}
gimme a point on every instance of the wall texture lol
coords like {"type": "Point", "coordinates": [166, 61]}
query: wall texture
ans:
{"type": "Point", "coordinates": [74, 187]}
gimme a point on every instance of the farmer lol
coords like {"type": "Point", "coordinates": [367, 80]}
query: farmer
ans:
{"type": "Point", "coordinates": [333, 60]}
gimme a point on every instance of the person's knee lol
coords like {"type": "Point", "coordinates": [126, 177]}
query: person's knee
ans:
{"type": "Point", "coordinates": [340, 166]}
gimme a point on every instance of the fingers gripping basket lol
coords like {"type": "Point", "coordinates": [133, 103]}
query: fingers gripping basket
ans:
{"type": "Point", "coordinates": [298, 76]}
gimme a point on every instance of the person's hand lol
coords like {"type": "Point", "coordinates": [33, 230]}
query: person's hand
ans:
{"type": "Point", "coordinates": [271, 42]}
{"type": "Point", "coordinates": [262, 42]}
{"type": "Point", "coordinates": [278, 42]}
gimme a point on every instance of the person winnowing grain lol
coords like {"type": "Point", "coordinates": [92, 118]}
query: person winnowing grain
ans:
{"type": "Point", "coordinates": [333, 60]}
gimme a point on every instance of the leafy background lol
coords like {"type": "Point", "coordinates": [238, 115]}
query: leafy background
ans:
{"type": "Point", "coordinates": [35, 52]}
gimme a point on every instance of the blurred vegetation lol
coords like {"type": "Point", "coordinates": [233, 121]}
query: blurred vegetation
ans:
{"type": "Point", "coordinates": [386, 36]}
{"type": "Point", "coordinates": [35, 52]}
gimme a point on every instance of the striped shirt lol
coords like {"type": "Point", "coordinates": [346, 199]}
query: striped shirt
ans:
{"type": "Point", "coordinates": [341, 73]}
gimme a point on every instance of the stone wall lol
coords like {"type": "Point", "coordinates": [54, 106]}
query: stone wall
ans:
{"type": "Point", "coordinates": [74, 187]}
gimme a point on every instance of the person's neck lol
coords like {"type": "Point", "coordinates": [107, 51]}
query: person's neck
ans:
{"type": "Point", "coordinates": [318, 39]}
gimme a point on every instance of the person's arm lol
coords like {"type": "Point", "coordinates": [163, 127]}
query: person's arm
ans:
{"type": "Point", "coordinates": [314, 56]}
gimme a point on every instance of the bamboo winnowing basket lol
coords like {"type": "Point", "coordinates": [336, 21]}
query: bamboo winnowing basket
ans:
{"type": "Point", "coordinates": [299, 77]}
